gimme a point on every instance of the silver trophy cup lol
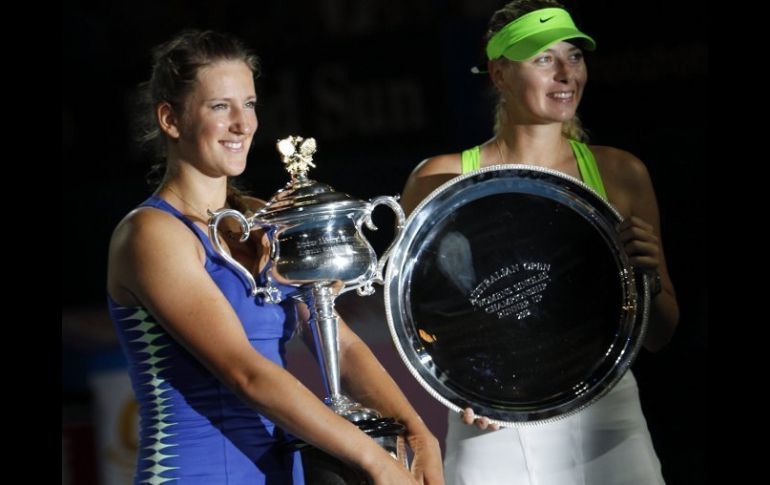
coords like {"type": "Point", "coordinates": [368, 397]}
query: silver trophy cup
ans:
{"type": "Point", "coordinates": [317, 246]}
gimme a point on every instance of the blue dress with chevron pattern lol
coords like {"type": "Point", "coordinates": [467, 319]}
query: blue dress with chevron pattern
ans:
{"type": "Point", "coordinates": [194, 430]}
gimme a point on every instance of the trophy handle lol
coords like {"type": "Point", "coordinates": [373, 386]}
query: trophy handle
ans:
{"type": "Point", "coordinates": [366, 288]}
{"type": "Point", "coordinates": [270, 292]}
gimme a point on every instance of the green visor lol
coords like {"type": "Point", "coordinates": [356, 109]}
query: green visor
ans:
{"type": "Point", "coordinates": [532, 33]}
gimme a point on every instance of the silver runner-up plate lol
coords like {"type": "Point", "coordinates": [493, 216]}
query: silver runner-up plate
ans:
{"type": "Point", "coordinates": [509, 292]}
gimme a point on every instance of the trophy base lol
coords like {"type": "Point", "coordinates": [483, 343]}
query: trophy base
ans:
{"type": "Point", "coordinates": [321, 468]}
{"type": "Point", "coordinates": [351, 410]}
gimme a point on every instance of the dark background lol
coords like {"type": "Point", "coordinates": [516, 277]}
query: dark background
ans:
{"type": "Point", "coordinates": [382, 85]}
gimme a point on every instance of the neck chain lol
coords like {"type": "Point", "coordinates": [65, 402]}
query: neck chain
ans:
{"type": "Point", "coordinates": [200, 212]}
{"type": "Point", "coordinates": [232, 235]}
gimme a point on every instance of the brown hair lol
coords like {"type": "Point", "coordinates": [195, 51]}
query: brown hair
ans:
{"type": "Point", "coordinates": [176, 64]}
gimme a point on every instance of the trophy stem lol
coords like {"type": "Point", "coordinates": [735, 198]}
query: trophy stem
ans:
{"type": "Point", "coordinates": [323, 322]}
{"type": "Point", "coordinates": [319, 299]}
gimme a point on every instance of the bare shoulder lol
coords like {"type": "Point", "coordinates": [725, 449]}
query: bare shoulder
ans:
{"type": "Point", "coordinates": [619, 164]}
{"type": "Point", "coordinates": [625, 178]}
{"type": "Point", "coordinates": [143, 239]}
{"type": "Point", "coordinates": [146, 226]}
{"type": "Point", "coordinates": [440, 164]}
{"type": "Point", "coordinates": [427, 176]}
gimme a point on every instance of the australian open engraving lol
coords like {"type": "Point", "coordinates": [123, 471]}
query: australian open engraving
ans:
{"type": "Point", "coordinates": [524, 287]}
{"type": "Point", "coordinates": [322, 245]}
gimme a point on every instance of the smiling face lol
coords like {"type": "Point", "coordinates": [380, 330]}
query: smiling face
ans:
{"type": "Point", "coordinates": [544, 89]}
{"type": "Point", "coordinates": [219, 119]}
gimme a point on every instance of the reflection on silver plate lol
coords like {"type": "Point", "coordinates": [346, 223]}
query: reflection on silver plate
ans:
{"type": "Point", "coordinates": [509, 292]}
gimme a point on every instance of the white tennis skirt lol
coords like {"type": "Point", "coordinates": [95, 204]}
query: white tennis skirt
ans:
{"type": "Point", "coordinates": [607, 443]}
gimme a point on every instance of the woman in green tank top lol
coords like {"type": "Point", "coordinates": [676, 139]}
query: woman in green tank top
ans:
{"type": "Point", "coordinates": [535, 62]}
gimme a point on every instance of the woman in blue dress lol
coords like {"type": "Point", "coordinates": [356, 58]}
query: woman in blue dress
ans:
{"type": "Point", "coordinates": [206, 359]}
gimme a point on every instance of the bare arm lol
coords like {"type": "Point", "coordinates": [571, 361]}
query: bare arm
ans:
{"type": "Point", "coordinates": [158, 261]}
{"type": "Point", "coordinates": [640, 233]}
{"type": "Point", "coordinates": [367, 382]}
{"type": "Point", "coordinates": [370, 384]}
